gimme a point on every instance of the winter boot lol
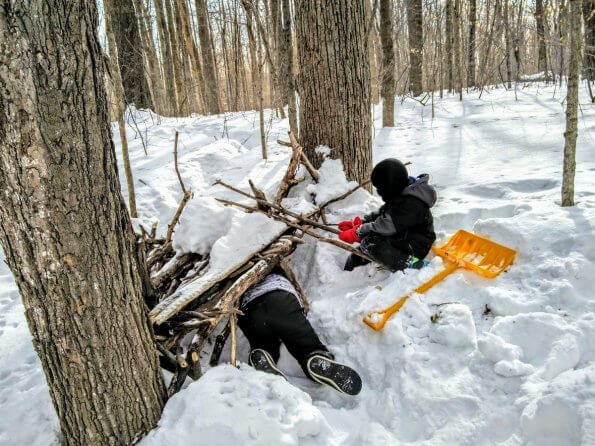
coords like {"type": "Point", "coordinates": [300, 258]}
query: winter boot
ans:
{"type": "Point", "coordinates": [324, 370]}
{"type": "Point", "coordinates": [415, 263]}
{"type": "Point", "coordinates": [262, 360]}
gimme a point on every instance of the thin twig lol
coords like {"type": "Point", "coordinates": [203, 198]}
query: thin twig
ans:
{"type": "Point", "coordinates": [234, 342]}
{"type": "Point", "coordinates": [171, 226]}
{"type": "Point", "coordinates": [176, 163]}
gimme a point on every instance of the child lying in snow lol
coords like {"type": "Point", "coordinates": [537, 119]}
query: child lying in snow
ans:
{"type": "Point", "coordinates": [401, 232]}
{"type": "Point", "coordinates": [273, 313]}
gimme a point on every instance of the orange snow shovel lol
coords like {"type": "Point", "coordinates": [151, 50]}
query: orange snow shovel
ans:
{"type": "Point", "coordinates": [463, 250]}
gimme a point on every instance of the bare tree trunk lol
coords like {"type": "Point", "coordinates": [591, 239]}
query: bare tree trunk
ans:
{"type": "Point", "coordinates": [449, 45]}
{"type": "Point", "coordinates": [388, 63]}
{"type": "Point", "coordinates": [197, 75]}
{"type": "Point", "coordinates": [120, 106]}
{"type": "Point", "coordinates": [542, 52]}
{"type": "Point", "coordinates": [231, 103]}
{"type": "Point", "coordinates": [286, 68]}
{"type": "Point", "coordinates": [192, 78]}
{"type": "Point", "coordinates": [562, 38]}
{"type": "Point", "coordinates": [458, 43]}
{"type": "Point", "coordinates": [472, 43]}
{"type": "Point", "coordinates": [589, 20]}
{"type": "Point", "coordinates": [372, 49]}
{"type": "Point", "coordinates": [65, 230]}
{"type": "Point", "coordinates": [507, 44]}
{"type": "Point", "coordinates": [171, 100]}
{"type": "Point", "coordinates": [182, 101]}
{"type": "Point", "coordinates": [518, 39]}
{"type": "Point", "coordinates": [416, 38]}
{"type": "Point", "coordinates": [334, 83]}
{"type": "Point", "coordinates": [152, 63]}
{"type": "Point", "coordinates": [572, 103]}
{"type": "Point", "coordinates": [255, 72]}
{"type": "Point", "coordinates": [132, 67]}
{"type": "Point", "coordinates": [212, 101]}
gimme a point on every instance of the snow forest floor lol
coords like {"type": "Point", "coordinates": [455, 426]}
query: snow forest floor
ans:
{"type": "Point", "coordinates": [508, 361]}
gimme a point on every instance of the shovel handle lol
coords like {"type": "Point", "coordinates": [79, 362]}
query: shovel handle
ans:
{"type": "Point", "coordinates": [384, 315]}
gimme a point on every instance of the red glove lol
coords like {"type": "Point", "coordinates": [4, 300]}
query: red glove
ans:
{"type": "Point", "coordinates": [348, 224]}
{"type": "Point", "coordinates": [350, 235]}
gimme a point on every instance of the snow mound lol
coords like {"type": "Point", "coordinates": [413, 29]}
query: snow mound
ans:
{"type": "Point", "coordinates": [245, 407]}
{"type": "Point", "coordinates": [332, 181]}
{"type": "Point", "coordinates": [202, 223]}
{"type": "Point", "coordinates": [564, 413]}
{"type": "Point", "coordinates": [454, 326]}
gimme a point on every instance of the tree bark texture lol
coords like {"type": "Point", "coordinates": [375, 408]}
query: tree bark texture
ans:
{"type": "Point", "coordinates": [212, 101]}
{"type": "Point", "coordinates": [171, 99]}
{"type": "Point", "coordinates": [182, 100]}
{"type": "Point", "coordinates": [334, 83]}
{"type": "Point", "coordinates": [416, 40]}
{"type": "Point", "coordinates": [64, 227]}
{"type": "Point", "coordinates": [132, 67]}
{"type": "Point", "coordinates": [589, 18]}
{"type": "Point", "coordinates": [286, 68]}
{"type": "Point", "coordinates": [571, 133]}
{"type": "Point", "coordinates": [449, 45]}
{"type": "Point", "coordinates": [120, 106]}
{"type": "Point", "coordinates": [542, 52]}
{"type": "Point", "coordinates": [472, 43]}
{"type": "Point", "coordinates": [388, 63]}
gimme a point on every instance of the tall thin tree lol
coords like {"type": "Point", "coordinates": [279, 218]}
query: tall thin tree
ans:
{"type": "Point", "coordinates": [212, 101]}
{"type": "Point", "coordinates": [472, 43]}
{"type": "Point", "coordinates": [576, 40]}
{"type": "Point", "coordinates": [64, 227]}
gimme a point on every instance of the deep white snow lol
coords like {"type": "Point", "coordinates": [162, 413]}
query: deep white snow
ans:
{"type": "Point", "coordinates": [507, 361]}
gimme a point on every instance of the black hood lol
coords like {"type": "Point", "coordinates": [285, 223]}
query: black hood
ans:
{"type": "Point", "coordinates": [390, 177]}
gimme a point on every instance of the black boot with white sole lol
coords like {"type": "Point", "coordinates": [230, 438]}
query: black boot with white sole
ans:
{"type": "Point", "coordinates": [325, 370]}
{"type": "Point", "coordinates": [263, 361]}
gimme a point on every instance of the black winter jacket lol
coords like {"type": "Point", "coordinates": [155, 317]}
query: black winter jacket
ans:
{"type": "Point", "coordinates": [406, 220]}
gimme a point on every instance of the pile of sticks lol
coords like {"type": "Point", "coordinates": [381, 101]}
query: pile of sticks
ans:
{"type": "Point", "coordinates": [184, 326]}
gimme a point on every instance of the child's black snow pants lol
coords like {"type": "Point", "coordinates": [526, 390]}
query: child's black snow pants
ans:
{"type": "Point", "coordinates": [394, 254]}
{"type": "Point", "coordinates": [277, 317]}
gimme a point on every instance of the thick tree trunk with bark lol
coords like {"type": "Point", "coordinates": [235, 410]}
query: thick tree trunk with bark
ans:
{"type": "Point", "coordinates": [388, 63]}
{"type": "Point", "coordinates": [132, 67]}
{"type": "Point", "coordinates": [541, 49]}
{"type": "Point", "coordinates": [570, 135]}
{"type": "Point", "coordinates": [416, 39]}
{"type": "Point", "coordinates": [64, 227]}
{"type": "Point", "coordinates": [472, 43]}
{"type": "Point", "coordinates": [334, 83]}
{"type": "Point", "coordinates": [212, 101]}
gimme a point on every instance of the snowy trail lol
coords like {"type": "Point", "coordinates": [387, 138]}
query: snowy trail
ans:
{"type": "Point", "coordinates": [509, 361]}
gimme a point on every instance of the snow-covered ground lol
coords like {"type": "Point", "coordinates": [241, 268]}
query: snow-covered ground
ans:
{"type": "Point", "coordinates": [507, 361]}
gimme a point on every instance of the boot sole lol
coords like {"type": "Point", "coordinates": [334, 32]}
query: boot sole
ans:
{"type": "Point", "coordinates": [338, 376]}
{"type": "Point", "coordinates": [270, 363]}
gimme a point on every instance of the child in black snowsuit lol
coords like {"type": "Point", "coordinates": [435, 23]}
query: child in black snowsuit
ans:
{"type": "Point", "coordinates": [273, 313]}
{"type": "Point", "coordinates": [401, 233]}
